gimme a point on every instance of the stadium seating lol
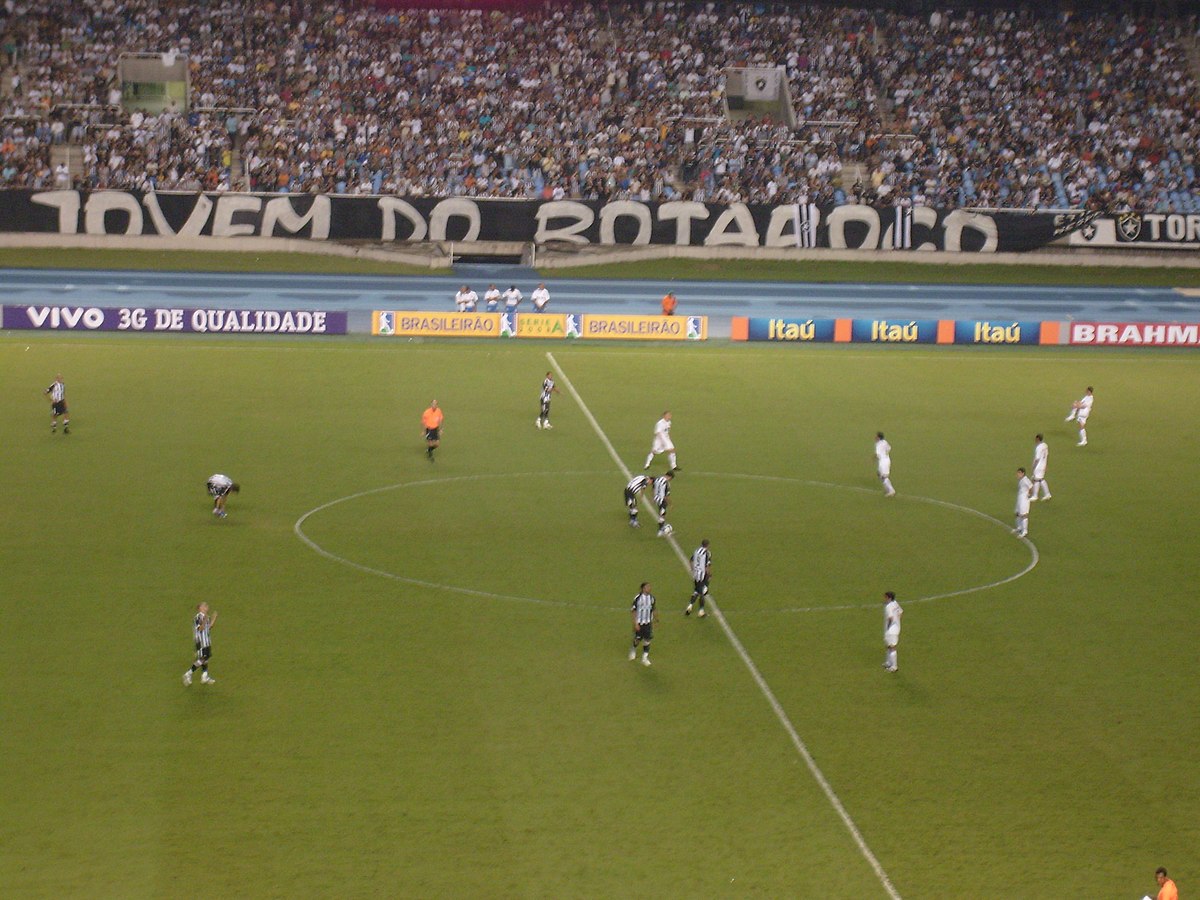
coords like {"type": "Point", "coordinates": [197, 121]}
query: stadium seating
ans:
{"type": "Point", "coordinates": [1013, 108]}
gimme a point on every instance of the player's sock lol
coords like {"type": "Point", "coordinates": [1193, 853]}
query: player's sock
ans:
{"type": "Point", "coordinates": [1083, 435]}
{"type": "Point", "coordinates": [688, 610]}
{"type": "Point", "coordinates": [671, 459]}
{"type": "Point", "coordinates": [700, 601]}
{"type": "Point", "coordinates": [887, 486]}
{"type": "Point", "coordinates": [649, 459]}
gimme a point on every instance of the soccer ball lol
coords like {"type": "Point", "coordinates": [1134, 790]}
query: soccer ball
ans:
{"type": "Point", "coordinates": [666, 529]}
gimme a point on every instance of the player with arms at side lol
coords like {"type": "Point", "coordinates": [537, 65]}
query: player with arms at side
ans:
{"type": "Point", "coordinates": [219, 488]}
{"type": "Point", "coordinates": [892, 613]}
{"type": "Point", "coordinates": [883, 463]}
{"type": "Point", "coordinates": [202, 625]}
{"type": "Point", "coordinates": [431, 421]}
{"type": "Point", "coordinates": [662, 442]}
{"type": "Point", "coordinates": [1024, 494]}
{"type": "Point", "coordinates": [1081, 409]}
{"type": "Point", "coordinates": [58, 405]}
{"type": "Point", "coordinates": [1041, 457]}
{"type": "Point", "coordinates": [701, 563]}
{"type": "Point", "coordinates": [548, 388]}
{"type": "Point", "coordinates": [644, 615]}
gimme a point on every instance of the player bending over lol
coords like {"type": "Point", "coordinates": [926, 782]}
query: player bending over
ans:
{"type": "Point", "coordinates": [220, 487]}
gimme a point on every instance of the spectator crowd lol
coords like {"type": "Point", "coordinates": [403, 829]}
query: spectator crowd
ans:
{"type": "Point", "coordinates": [1026, 108]}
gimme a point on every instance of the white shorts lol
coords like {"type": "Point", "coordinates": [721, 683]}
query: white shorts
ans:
{"type": "Point", "coordinates": [885, 468]}
{"type": "Point", "coordinates": [891, 638]}
{"type": "Point", "coordinates": [1023, 508]}
{"type": "Point", "coordinates": [1039, 475]}
{"type": "Point", "coordinates": [661, 444]}
{"type": "Point", "coordinates": [1081, 417]}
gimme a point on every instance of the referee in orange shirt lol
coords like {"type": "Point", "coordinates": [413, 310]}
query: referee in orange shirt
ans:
{"type": "Point", "coordinates": [1166, 887]}
{"type": "Point", "coordinates": [431, 419]}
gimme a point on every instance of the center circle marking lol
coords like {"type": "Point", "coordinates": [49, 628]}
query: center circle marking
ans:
{"type": "Point", "coordinates": [298, 530]}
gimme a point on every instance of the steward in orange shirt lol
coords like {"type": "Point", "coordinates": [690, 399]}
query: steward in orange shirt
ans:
{"type": "Point", "coordinates": [669, 304]}
{"type": "Point", "coordinates": [431, 419]}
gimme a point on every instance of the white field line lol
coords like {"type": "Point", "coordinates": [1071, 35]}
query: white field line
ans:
{"type": "Point", "coordinates": [298, 528]}
{"type": "Point", "coordinates": [780, 714]}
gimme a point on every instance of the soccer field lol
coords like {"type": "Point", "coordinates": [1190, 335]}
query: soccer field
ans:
{"type": "Point", "coordinates": [422, 679]}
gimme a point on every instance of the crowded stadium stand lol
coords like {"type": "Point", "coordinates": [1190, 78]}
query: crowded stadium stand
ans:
{"type": "Point", "coordinates": [1024, 108]}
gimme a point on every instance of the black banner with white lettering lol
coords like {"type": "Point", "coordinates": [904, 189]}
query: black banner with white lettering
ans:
{"type": "Point", "coordinates": [323, 217]}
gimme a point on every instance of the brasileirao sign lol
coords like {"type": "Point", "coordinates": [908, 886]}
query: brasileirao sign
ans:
{"type": "Point", "coordinates": [323, 217]}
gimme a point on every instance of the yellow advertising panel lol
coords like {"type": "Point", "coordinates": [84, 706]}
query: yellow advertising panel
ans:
{"type": "Point", "coordinates": [541, 325]}
{"type": "Point", "coordinates": [645, 328]}
{"type": "Point", "coordinates": [418, 324]}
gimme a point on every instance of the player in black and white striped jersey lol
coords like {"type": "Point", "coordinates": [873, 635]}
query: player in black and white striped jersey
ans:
{"type": "Point", "coordinates": [220, 487]}
{"type": "Point", "coordinates": [701, 564]}
{"type": "Point", "coordinates": [662, 499]}
{"type": "Point", "coordinates": [202, 625]}
{"type": "Point", "coordinates": [636, 485]}
{"type": "Point", "coordinates": [58, 405]}
{"type": "Point", "coordinates": [548, 388]}
{"type": "Point", "coordinates": [644, 616]}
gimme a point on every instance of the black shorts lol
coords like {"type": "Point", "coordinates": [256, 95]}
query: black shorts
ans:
{"type": "Point", "coordinates": [59, 408]}
{"type": "Point", "coordinates": [219, 490]}
{"type": "Point", "coordinates": [700, 587]}
{"type": "Point", "coordinates": [644, 633]}
{"type": "Point", "coordinates": [433, 434]}
{"type": "Point", "coordinates": [203, 653]}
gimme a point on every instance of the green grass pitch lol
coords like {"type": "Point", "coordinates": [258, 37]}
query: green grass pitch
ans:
{"type": "Point", "coordinates": [441, 706]}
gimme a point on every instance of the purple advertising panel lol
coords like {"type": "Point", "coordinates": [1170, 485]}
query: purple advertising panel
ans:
{"type": "Point", "coordinates": [168, 319]}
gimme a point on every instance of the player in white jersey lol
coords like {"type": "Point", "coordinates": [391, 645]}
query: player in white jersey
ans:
{"type": "Point", "coordinates": [540, 298]}
{"type": "Point", "coordinates": [202, 624]}
{"type": "Point", "coordinates": [220, 487]}
{"type": "Point", "coordinates": [701, 565]}
{"type": "Point", "coordinates": [58, 405]}
{"type": "Point", "coordinates": [548, 388]}
{"type": "Point", "coordinates": [883, 462]}
{"type": "Point", "coordinates": [892, 613]}
{"type": "Point", "coordinates": [1041, 456]}
{"type": "Point", "coordinates": [512, 299]}
{"type": "Point", "coordinates": [1080, 410]}
{"type": "Point", "coordinates": [662, 442]}
{"type": "Point", "coordinates": [492, 298]}
{"type": "Point", "coordinates": [1024, 493]}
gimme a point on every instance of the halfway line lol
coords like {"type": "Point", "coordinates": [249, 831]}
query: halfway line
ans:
{"type": "Point", "coordinates": [780, 714]}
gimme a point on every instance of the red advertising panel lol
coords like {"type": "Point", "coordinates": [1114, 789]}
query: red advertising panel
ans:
{"type": "Point", "coordinates": [1135, 334]}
